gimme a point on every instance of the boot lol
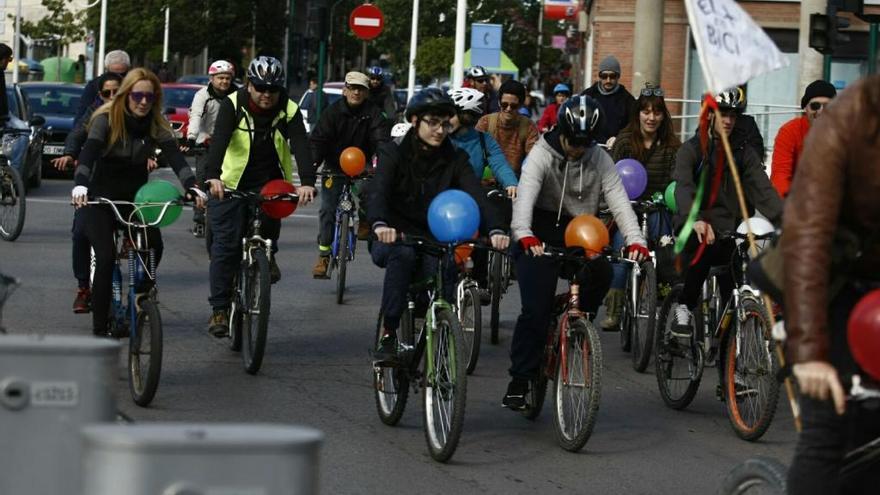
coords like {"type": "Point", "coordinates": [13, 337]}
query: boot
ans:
{"type": "Point", "coordinates": [613, 307]}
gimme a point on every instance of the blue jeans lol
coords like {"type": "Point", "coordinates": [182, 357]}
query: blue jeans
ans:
{"type": "Point", "coordinates": [659, 224]}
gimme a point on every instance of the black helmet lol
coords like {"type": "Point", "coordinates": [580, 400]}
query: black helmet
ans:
{"type": "Point", "coordinates": [578, 118]}
{"type": "Point", "coordinates": [266, 71]}
{"type": "Point", "coordinates": [433, 100]}
{"type": "Point", "coordinates": [731, 99]}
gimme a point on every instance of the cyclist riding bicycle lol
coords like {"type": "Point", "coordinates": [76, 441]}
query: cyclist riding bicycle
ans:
{"type": "Point", "coordinates": [352, 121]}
{"type": "Point", "coordinates": [722, 216]}
{"type": "Point", "coordinates": [381, 94]}
{"type": "Point", "coordinates": [412, 171]}
{"type": "Point", "coordinates": [113, 165]}
{"type": "Point", "coordinates": [202, 115]}
{"type": "Point", "coordinates": [515, 133]}
{"type": "Point", "coordinates": [257, 129]}
{"type": "Point", "coordinates": [567, 174]}
{"type": "Point", "coordinates": [836, 187]}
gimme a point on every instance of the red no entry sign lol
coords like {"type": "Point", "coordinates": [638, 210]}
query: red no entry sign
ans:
{"type": "Point", "coordinates": [366, 21]}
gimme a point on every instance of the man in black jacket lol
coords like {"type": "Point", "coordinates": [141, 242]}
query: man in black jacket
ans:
{"type": "Point", "coordinates": [412, 171]}
{"type": "Point", "coordinates": [117, 62]}
{"type": "Point", "coordinates": [616, 102]}
{"type": "Point", "coordinates": [351, 121]}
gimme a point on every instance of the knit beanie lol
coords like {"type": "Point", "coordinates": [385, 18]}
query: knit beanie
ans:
{"type": "Point", "coordinates": [818, 88]}
{"type": "Point", "coordinates": [609, 64]}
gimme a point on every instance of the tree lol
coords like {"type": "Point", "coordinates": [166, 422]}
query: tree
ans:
{"type": "Point", "coordinates": [59, 23]}
{"type": "Point", "coordinates": [434, 57]}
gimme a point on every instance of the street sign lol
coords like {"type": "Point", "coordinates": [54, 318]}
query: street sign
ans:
{"type": "Point", "coordinates": [366, 21]}
{"type": "Point", "coordinates": [486, 44]}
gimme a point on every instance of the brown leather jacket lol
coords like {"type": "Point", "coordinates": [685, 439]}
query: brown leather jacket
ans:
{"type": "Point", "coordinates": [837, 182]}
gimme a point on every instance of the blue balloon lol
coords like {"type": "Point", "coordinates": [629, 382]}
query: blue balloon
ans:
{"type": "Point", "coordinates": [453, 216]}
{"type": "Point", "coordinates": [634, 177]}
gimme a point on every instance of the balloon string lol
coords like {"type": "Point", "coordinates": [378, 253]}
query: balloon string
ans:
{"type": "Point", "coordinates": [688, 226]}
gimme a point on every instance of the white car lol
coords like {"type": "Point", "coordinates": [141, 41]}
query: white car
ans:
{"type": "Point", "coordinates": [332, 91]}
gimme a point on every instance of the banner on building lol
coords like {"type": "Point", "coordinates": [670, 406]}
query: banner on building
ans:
{"type": "Point", "coordinates": [731, 46]}
{"type": "Point", "coordinates": [557, 10]}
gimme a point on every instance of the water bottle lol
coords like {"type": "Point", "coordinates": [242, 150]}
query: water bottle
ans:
{"type": "Point", "coordinates": [117, 285]}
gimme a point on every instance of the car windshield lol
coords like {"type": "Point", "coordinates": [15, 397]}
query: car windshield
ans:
{"type": "Point", "coordinates": [179, 97]}
{"type": "Point", "coordinates": [52, 100]}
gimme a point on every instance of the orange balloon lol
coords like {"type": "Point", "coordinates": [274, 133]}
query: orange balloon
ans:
{"type": "Point", "coordinates": [462, 253]}
{"type": "Point", "coordinates": [352, 161]}
{"type": "Point", "coordinates": [588, 232]}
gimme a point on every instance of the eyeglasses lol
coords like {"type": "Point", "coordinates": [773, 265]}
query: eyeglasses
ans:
{"type": "Point", "coordinates": [608, 75]}
{"type": "Point", "coordinates": [435, 124]}
{"type": "Point", "coordinates": [816, 106]}
{"type": "Point", "coordinates": [652, 92]}
{"type": "Point", "coordinates": [355, 87]}
{"type": "Point", "coordinates": [141, 96]}
{"type": "Point", "coordinates": [108, 93]}
{"type": "Point", "coordinates": [265, 88]}
{"type": "Point", "coordinates": [509, 106]}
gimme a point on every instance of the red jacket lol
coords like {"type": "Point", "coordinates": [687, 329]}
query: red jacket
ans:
{"type": "Point", "coordinates": [548, 118]}
{"type": "Point", "coordinates": [786, 151]}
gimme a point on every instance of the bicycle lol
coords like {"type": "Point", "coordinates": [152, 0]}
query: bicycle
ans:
{"type": "Point", "coordinates": [500, 276]}
{"type": "Point", "coordinates": [13, 203]}
{"type": "Point", "coordinates": [344, 243]}
{"type": "Point", "coordinates": [137, 313]}
{"type": "Point", "coordinates": [573, 360]}
{"type": "Point", "coordinates": [442, 373]}
{"type": "Point", "coordinates": [744, 352]}
{"type": "Point", "coordinates": [7, 287]}
{"type": "Point", "coordinates": [468, 307]}
{"type": "Point", "coordinates": [249, 310]}
{"type": "Point", "coordinates": [769, 476]}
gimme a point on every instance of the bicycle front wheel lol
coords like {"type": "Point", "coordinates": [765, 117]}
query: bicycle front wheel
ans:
{"type": "Point", "coordinates": [342, 257]}
{"type": "Point", "coordinates": [627, 319]}
{"type": "Point", "coordinates": [145, 354]}
{"type": "Point", "coordinates": [469, 314]}
{"type": "Point", "coordinates": [761, 475]}
{"type": "Point", "coordinates": [678, 364]}
{"type": "Point", "coordinates": [578, 385]}
{"type": "Point", "coordinates": [12, 203]}
{"type": "Point", "coordinates": [496, 288]}
{"type": "Point", "coordinates": [236, 309]}
{"type": "Point", "coordinates": [446, 387]}
{"type": "Point", "coordinates": [644, 317]}
{"type": "Point", "coordinates": [255, 317]}
{"type": "Point", "coordinates": [391, 383]}
{"type": "Point", "coordinates": [750, 366]}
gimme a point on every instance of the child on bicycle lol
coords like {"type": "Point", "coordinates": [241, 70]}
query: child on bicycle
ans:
{"type": "Point", "coordinates": [565, 175]}
{"type": "Point", "coordinates": [412, 171]}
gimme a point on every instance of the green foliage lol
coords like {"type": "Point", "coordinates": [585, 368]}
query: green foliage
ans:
{"type": "Point", "coordinates": [434, 56]}
{"type": "Point", "coordinates": [58, 22]}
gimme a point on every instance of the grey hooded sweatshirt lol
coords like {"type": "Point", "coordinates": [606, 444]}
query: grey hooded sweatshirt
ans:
{"type": "Point", "coordinates": [551, 183]}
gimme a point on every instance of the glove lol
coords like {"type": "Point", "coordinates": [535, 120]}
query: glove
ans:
{"type": "Point", "coordinates": [637, 252]}
{"type": "Point", "coordinates": [528, 242]}
{"type": "Point", "coordinates": [79, 192]}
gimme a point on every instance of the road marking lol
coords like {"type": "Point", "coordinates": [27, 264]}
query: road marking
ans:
{"type": "Point", "coordinates": [67, 202]}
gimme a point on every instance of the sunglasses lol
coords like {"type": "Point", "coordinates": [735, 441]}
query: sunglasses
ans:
{"type": "Point", "coordinates": [265, 88]}
{"type": "Point", "coordinates": [139, 96]}
{"type": "Point", "coordinates": [108, 93]}
{"type": "Point", "coordinates": [652, 92]}
{"type": "Point", "coordinates": [816, 106]}
{"type": "Point", "coordinates": [508, 106]}
{"type": "Point", "coordinates": [608, 75]}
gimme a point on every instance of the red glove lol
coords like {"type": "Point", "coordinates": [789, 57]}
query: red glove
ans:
{"type": "Point", "coordinates": [528, 242]}
{"type": "Point", "coordinates": [637, 252]}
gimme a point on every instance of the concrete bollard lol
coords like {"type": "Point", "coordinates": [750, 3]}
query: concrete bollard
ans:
{"type": "Point", "coordinates": [200, 459]}
{"type": "Point", "coordinates": [49, 388]}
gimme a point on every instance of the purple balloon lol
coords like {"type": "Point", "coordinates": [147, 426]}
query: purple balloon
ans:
{"type": "Point", "coordinates": [634, 177]}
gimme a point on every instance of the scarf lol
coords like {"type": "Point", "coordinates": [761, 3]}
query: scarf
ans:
{"type": "Point", "coordinates": [139, 127]}
{"type": "Point", "coordinates": [607, 93]}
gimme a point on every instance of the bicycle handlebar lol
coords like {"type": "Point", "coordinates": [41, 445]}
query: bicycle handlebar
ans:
{"type": "Point", "coordinates": [98, 200]}
{"type": "Point", "coordinates": [258, 197]}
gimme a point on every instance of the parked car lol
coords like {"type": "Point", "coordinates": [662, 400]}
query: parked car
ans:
{"type": "Point", "coordinates": [57, 103]}
{"type": "Point", "coordinates": [178, 98]}
{"type": "Point", "coordinates": [332, 91]}
{"type": "Point", "coordinates": [25, 152]}
{"type": "Point", "coordinates": [200, 79]}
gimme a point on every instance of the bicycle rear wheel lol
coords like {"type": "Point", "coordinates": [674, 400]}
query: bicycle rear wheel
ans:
{"type": "Point", "coordinates": [750, 366]}
{"type": "Point", "coordinates": [679, 365]}
{"type": "Point", "coordinates": [391, 383]}
{"type": "Point", "coordinates": [538, 387]}
{"type": "Point", "coordinates": [469, 314]}
{"type": "Point", "coordinates": [761, 475]}
{"type": "Point", "coordinates": [445, 387]}
{"type": "Point", "coordinates": [13, 205]}
{"type": "Point", "coordinates": [627, 319]}
{"type": "Point", "coordinates": [644, 318]}
{"type": "Point", "coordinates": [145, 354]}
{"type": "Point", "coordinates": [255, 317]}
{"type": "Point", "coordinates": [496, 281]}
{"type": "Point", "coordinates": [342, 256]}
{"type": "Point", "coordinates": [578, 386]}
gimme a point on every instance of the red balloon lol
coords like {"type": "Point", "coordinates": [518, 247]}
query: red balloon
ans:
{"type": "Point", "coordinates": [279, 208]}
{"type": "Point", "coordinates": [863, 333]}
{"type": "Point", "coordinates": [588, 232]}
{"type": "Point", "coordinates": [352, 161]}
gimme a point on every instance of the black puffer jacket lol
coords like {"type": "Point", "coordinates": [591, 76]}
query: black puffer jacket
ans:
{"type": "Point", "coordinates": [616, 110]}
{"type": "Point", "coordinates": [341, 126]}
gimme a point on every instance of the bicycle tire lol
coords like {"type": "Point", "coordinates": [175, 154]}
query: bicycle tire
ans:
{"type": "Point", "coordinates": [759, 475]}
{"type": "Point", "coordinates": [495, 289]}
{"type": "Point", "coordinates": [470, 317]}
{"type": "Point", "coordinates": [751, 356]}
{"type": "Point", "coordinates": [645, 318]}
{"type": "Point", "coordinates": [235, 310]}
{"type": "Point", "coordinates": [446, 391]}
{"type": "Point", "coordinates": [625, 322]}
{"type": "Point", "coordinates": [257, 297]}
{"type": "Point", "coordinates": [581, 361]}
{"type": "Point", "coordinates": [666, 350]}
{"type": "Point", "coordinates": [13, 203]}
{"type": "Point", "coordinates": [144, 372]}
{"type": "Point", "coordinates": [390, 405]}
{"type": "Point", "coordinates": [342, 257]}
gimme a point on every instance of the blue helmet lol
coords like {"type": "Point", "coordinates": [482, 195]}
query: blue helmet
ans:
{"type": "Point", "coordinates": [578, 118]}
{"type": "Point", "coordinates": [433, 100]}
{"type": "Point", "coordinates": [562, 88]}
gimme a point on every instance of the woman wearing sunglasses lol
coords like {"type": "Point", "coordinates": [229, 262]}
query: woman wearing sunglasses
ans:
{"type": "Point", "coordinates": [123, 135]}
{"type": "Point", "coordinates": [650, 139]}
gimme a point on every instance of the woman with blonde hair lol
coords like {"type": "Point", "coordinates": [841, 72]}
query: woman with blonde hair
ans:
{"type": "Point", "coordinates": [123, 135]}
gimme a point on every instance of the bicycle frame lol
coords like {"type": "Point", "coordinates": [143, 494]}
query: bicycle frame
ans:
{"type": "Point", "coordinates": [345, 206]}
{"type": "Point", "coordinates": [138, 270]}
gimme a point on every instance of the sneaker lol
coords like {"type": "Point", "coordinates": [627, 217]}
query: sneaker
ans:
{"type": "Point", "coordinates": [83, 301]}
{"type": "Point", "coordinates": [198, 229]}
{"type": "Point", "coordinates": [119, 332]}
{"type": "Point", "coordinates": [515, 398]}
{"type": "Point", "coordinates": [218, 325]}
{"type": "Point", "coordinates": [274, 271]}
{"type": "Point", "coordinates": [321, 267]}
{"type": "Point", "coordinates": [683, 327]}
{"type": "Point", "coordinates": [363, 232]}
{"type": "Point", "coordinates": [387, 348]}
{"type": "Point", "coordinates": [485, 297]}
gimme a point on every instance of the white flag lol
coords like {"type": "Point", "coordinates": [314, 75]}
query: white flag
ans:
{"type": "Point", "coordinates": [732, 47]}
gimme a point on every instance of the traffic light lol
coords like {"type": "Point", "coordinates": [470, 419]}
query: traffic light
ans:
{"type": "Point", "coordinates": [825, 32]}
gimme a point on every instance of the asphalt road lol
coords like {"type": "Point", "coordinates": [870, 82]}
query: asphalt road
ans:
{"type": "Point", "coordinates": [317, 372]}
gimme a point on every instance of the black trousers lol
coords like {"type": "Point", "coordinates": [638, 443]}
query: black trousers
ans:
{"type": "Point", "coordinates": [717, 254]}
{"type": "Point", "coordinates": [81, 251]}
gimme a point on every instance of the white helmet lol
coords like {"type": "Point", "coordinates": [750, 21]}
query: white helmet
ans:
{"type": "Point", "coordinates": [760, 226]}
{"type": "Point", "coordinates": [221, 67]}
{"type": "Point", "coordinates": [467, 99]}
{"type": "Point", "coordinates": [400, 129]}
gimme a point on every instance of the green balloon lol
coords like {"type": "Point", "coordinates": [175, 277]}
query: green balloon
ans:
{"type": "Point", "coordinates": [669, 196]}
{"type": "Point", "coordinates": [487, 173]}
{"type": "Point", "coordinates": [157, 191]}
